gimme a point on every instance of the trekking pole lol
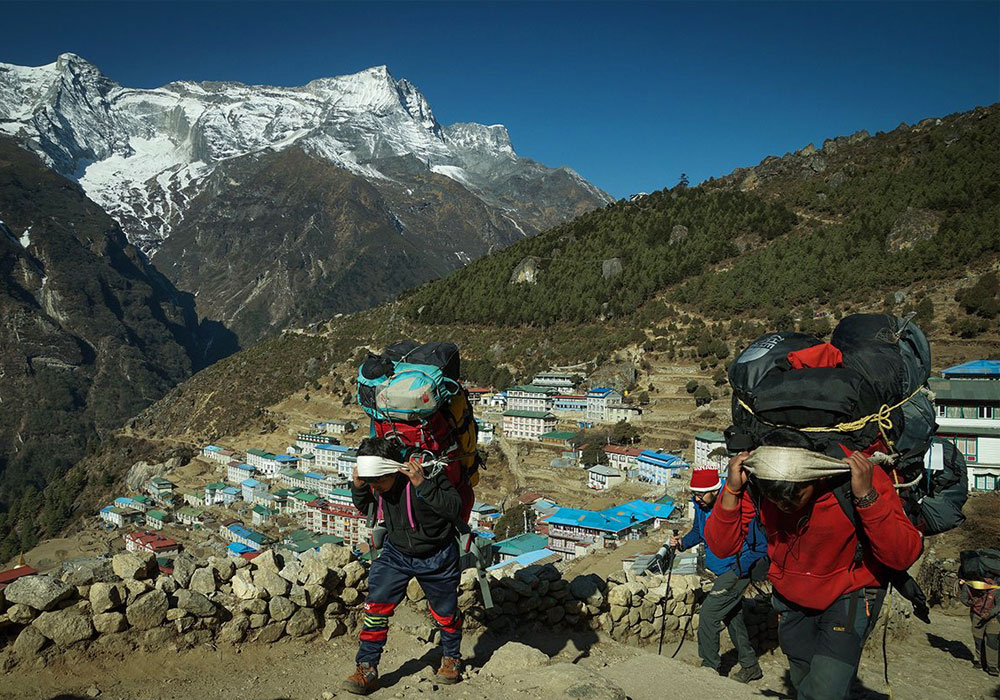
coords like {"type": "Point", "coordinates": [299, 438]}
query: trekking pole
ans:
{"type": "Point", "coordinates": [672, 551]}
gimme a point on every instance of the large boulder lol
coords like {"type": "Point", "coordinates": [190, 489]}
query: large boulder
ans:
{"type": "Point", "coordinates": [315, 571]}
{"type": "Point", "coordinates": [137, 565]}
{"type": "Point", "coordinates": [82, 572]}
{"type": "Point", "coordinates": [21, 614]}
{"type": "Point", "coordinates": [267, 560]}
{"type": "Point", "coordinates": [269, 580]}
{"type": "Point", "coordinates": [567, 681]}
{"type": "Point", "coordinates": [304, 621]}
{"type": "Point", "coordinates": [29, 642]}
{"type": "Point", "coordinates": [281, 608]}
{"type": "Point", "coordinates": [271, 633]}
{"type": "Point", "coordinates": [184, 567]}
{"type": "Point", "coordinates": [195, 603]}
{"type": "Point", "coordinates": [223, 566]}
{"type": "Point", "coordinates": [109, 622]}
{"type": "Point", "coordinates": [354, 573]}
{"type": "Point", "coordinates": [513, 659]}
{"type": "Point", "coordinates": [335, 556]}
{"type": "Point", "coordinates": [41, 592]}
{"type": "Point", "coordinates": [106, 596]}
{"type": "Point", "coordinates": [203, 581]}
{"type": "Point", "coordinates": [588, 588]}
{"type": "Point", "coordinates": [243, 586]}
{"type": "Point", "coordinates": [235, 631]}
{"type": "Point", "coordinates": [148, 610]}
{"type": "Point", "coordinates": [64, 627]}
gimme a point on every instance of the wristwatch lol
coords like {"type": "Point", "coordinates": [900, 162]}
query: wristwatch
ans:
{"type": "Point", "coordinates": [866, 500]}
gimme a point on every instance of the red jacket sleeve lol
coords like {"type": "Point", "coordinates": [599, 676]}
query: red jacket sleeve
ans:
{"type": "Point", "coordinates": [893, 539]}
{"type": "Point", "coordinates": [725, 530]}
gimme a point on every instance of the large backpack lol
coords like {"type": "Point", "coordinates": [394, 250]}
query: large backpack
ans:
{"type": "Point", "coordinates": [392, 388]}
{"type": "Point", "coordinates": [980, 570]}
{"type": "Point", "coordinates": [865, 388]}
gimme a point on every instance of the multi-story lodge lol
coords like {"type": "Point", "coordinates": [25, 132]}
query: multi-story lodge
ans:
{"type": "Point", "coordinates": [706, 443]}
{"type": "Point", "coordinates": [527, 425]}
{"type": "Point", "coordinates": [600, 477]}
{"type": "Point", "coordinates": [598, 401]}
{"type": "Point", "coordinates": [624, 459]}
{"type": "Point", "coordinates": [968, 414]}
{"type": "Point", "coordinates": [615, 412]}
{"type": "Point", "coordinates": [339, 519]}
{"type": "Point", "coordinates": [150, 541]}
{"type": "Point", "coordinates": [573, 532]}
{"type": "Point", "coordinates": [574, 404]}
{"type": "Point", "coordinates": [657, 467]}
{"type": "Point", "coordinates": [559, 381]}
{"type": "Point", "coordinates": [218, 454]}
{"type": "Point", "coordinates": [237, 472]}
{"type": "Point", "coordinates": [529, 398]}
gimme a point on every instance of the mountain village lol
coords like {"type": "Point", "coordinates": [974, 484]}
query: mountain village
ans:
{"type": "Point", "coordinates": [300, 500]}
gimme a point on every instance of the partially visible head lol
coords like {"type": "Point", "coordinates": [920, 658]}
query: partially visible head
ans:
{"type": "Point", "coordinates": [787, 496]}
{"type": "Point", "coordinates": [705, 485]}
{"type": "Point", "coordinates": [386, 449]}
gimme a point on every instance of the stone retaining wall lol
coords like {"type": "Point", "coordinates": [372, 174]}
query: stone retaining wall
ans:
{"type": "Point", "coordinates": [125, 602]}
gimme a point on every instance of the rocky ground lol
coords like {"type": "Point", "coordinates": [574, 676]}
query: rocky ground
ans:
{"type": "Point", "coordinates": [536, 664]}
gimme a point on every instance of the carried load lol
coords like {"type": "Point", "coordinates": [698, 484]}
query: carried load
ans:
{"type": "Point", "coordinates": [866, 390]}
{"type": "Point", "coordinates": [413, 395]}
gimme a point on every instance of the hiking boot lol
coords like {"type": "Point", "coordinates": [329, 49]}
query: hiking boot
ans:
{"type": "Point", "coordinates": [450, 671]}
{"type": "Point", "coordinates": [364, 680]}
{"type": "Point", "coordinates": [748, 673]}
{"type": "Point", "coordinates": [713, 669]}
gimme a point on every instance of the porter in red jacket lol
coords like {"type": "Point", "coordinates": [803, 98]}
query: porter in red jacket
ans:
{"type": "Point", "coordinates": [826, 599]}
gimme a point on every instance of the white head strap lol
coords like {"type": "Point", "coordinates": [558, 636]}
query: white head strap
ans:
{"type": "Point", "coordinates": [793, 464]}
{"type": "Point", "coordinates": [373, 466]}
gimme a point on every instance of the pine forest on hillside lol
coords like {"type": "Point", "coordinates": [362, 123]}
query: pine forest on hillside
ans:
{"type": "Point", "coordinates": [878, 214]}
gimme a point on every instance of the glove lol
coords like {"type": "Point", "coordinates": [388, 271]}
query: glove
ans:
{"type": "Point", "coordinates": [758, 570]}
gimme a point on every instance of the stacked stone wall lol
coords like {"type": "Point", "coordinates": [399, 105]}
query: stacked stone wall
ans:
{"type": "Point", "coordinates": [127, 602]}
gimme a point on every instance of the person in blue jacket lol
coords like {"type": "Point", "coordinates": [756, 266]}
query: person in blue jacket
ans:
{"type": "Point", "coordinates": [724, 605]}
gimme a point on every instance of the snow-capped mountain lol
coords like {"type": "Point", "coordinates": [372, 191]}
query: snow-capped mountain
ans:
{"type": "Point", "coordinates": [144, 154]}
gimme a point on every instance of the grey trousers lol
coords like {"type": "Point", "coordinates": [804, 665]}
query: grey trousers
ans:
{"type": "Point", "coordinates": [724, 608]}
{"type": "Point", "coordinates": [986, 636]}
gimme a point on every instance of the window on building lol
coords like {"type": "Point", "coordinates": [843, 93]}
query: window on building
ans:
{"type": "Point", "coordinates": [987, 482]}
{"type": "Point", "coordinates": [968, 446]}
{"type": "Point", "coordinates": [986, 412]}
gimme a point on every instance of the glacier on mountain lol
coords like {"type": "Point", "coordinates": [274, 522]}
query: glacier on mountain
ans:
{"type": "Point", "coordinates": [143, 154]}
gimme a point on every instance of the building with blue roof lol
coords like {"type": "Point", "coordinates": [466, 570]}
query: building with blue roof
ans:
{"type": "Point", "coordinates": [976, 369]}
{"type": "Point", "coordinates": [238, 549]}
{"type": "Point", "coordinates": [598, 401]}
{"type": "Point", "coordinates": [572, 531]}
{"type": "Point", "coordinates": [253, 490]}
{"type": "Point", "coordinates": [657, 467]}
{"type": "Point", "coordinates": [229, 495]}
{"type": "Point", "coordinates": [237, 472]}
{"type": "Point", "coordinates": [242, 535]}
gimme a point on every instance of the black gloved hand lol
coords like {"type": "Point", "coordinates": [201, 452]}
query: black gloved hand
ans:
{"type": "Point", "coordinates": [758, 570]}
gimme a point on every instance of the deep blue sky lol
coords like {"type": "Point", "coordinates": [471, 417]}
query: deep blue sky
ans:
{"type": "Point", "coordinates": [630, 95]}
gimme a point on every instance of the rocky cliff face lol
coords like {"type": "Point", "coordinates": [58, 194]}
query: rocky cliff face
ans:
{"type": "Point", "coordinates": [90, 332]}
{"type": "Point", "coordinates": [223, 163]}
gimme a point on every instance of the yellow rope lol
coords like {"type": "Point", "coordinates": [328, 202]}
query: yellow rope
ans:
{"type": "Point", "coordinates": [882, 417]}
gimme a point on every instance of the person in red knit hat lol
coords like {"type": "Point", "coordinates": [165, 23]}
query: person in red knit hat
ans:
{"type": "Point", "coordinates": [828, 584]}
{"type": "Point", "coordinates": [724, 606]}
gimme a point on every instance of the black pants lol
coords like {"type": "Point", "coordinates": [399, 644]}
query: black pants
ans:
{"type": "Point", "coordinates": [724, 608]}
{"type": "Point", "coordinates": [824, 646]}
{"type": "Point", "coordinates": [388, 577]}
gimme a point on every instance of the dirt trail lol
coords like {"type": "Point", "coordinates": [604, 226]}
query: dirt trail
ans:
{"type": "Point", "coordinates": [933, 662]}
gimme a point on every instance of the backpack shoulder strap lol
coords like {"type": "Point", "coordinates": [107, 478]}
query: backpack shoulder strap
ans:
{"type": "Point", "coordinates": [842, 492]}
